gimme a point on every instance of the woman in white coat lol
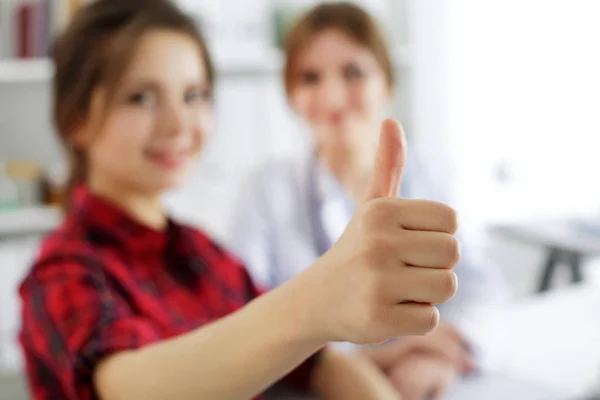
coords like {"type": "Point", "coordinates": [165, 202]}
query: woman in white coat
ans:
{"type": "Point", "coordinates": [339, 79]}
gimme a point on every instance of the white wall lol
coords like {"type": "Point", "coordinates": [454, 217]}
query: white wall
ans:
{"type": "Point", "coordinates": [25, 128]}
{"type": "Point", "coordinates": [427, 88]}
{"type": "Point", "coordinates": [253, 124]}
{"type": "Point", "coordinates": [524, 86]}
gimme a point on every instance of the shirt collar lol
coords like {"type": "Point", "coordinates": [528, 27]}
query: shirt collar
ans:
{"type": "Point", "coordinates": [328, 187]}
{"type": "Point", "coordinates": [116, 225]}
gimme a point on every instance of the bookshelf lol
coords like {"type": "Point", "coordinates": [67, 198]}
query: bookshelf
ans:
{"type": "Point", "coordinates": [17, 71]}
{"type": "Point", "coordinates": [40, 70]}
{"type": "Point", "coordinates": [28, 221]}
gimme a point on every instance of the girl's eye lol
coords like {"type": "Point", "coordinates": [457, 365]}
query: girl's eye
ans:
{"type": "Point", "coordinates": [143, 98]}
{"type": "Point", "coordinates": [309, 78]}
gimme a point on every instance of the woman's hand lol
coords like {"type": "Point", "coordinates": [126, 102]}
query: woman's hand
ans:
{"type": "Point", "coordinates": [342, 376]}
{"type": "Point", "coordinates": [423, 377]}
{"type": "Point", "coordinates": [444, 341]}
{"type": "Point", "coordinates": [390, 267]}
{"type": "Point", "coordinates": [423, 367]}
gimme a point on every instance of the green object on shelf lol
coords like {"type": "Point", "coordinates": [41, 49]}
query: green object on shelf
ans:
{"type": "Point", "coordinates": [284, 16]}
{"type": "Point", "coordinates": [9, 192]}
{"type": "Point", "coordinates": [280, 26]}
{"type": "Point", "coordinates": [9, 205]}
{"type": "Point", "coordinates": [5, 207]}
{"type": "Point", "coordinates": [9, 196]}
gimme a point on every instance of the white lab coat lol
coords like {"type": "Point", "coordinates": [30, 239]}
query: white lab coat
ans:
{"type": "Point", "coordinates": [273, 232]}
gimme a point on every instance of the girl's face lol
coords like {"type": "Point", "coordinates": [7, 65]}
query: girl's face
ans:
{"type": "Point", "coordinates": [340, 90]}
{"type": "Point", "coordinates": [147, 138]}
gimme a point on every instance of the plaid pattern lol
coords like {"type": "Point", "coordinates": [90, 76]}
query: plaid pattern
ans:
{"type": "Point", "coordinates": [103, 283]}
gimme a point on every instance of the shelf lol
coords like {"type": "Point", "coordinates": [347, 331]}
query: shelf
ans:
{"type": "Point", "coordinates": [28, 221]}
{"type": "Point", "coordinates": [269, 62]}
{"type": "Point", "coordinates": [37, 70]}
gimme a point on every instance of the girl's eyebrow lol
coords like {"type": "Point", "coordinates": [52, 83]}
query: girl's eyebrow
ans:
{"type": "Point", "coordinates": [150, 83]}
{"type": "Point", "coordinates": [147, 83]}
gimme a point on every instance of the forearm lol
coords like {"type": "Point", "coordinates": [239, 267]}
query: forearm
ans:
{"type": "Point", "coordinates": [235, 358]}
{"type": "Point", "coordinates": [348, 377]}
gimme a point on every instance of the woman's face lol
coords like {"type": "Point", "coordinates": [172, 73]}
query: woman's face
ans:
{"type": "Point", "coordinates": [340, 90]}
{"type": "Point", "coordinates": [150, 134]}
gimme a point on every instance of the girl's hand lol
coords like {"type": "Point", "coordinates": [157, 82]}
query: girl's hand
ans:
{"type": "Point", "coordinates": [390, 267]}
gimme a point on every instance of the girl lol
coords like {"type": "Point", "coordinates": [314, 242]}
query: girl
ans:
{"type": "Point", "coordinates": [339, 79]}
{"type": "Point", "coordinates": [125, 303]}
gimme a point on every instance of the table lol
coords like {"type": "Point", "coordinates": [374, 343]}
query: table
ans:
{"type": "Point", "coordinates": [565, 241]}
{"type": "Point", "coordinates": [550, 341]}
{"type": "Point", "coordinates": [546, 348]}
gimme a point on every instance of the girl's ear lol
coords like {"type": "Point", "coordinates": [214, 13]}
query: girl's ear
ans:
{"type": "Point", "coordinates": [80, 134]}
{"type": "Point", "coordinates": [86, 125]}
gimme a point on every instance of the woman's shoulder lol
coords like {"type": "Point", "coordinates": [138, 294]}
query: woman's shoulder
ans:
{"type": "Point", "coordinates": [277, 177]}
{"type": "Point", "coordinates": [279, 170]}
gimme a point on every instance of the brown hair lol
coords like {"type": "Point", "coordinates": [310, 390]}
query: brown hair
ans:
{"type": "Point", "coordinates": [95, 50]}
{"type": "Point", "coordinates": [346, 17]}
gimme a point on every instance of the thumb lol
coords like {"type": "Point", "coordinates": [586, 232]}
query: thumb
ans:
{"type": "Point", "coordinates": [389, 162]}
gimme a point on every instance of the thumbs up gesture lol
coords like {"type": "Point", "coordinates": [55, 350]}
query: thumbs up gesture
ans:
{"type": "Point", "coordinates": [393, 263]}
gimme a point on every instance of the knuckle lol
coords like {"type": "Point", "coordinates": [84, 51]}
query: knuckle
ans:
{"type": "Point", "coordinates": [375, 213]}
{"type": "Point", "coordinates": [375, 249]}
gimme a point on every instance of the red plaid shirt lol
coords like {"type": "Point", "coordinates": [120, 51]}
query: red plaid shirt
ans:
{"type": "Point", "coordinates": [103, 283]}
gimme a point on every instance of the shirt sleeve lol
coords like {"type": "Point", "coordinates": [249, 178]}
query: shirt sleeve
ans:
{"type": "Point", "coordinates": [71, 319]}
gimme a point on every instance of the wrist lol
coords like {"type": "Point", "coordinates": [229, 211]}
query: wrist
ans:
{"type": "Point", "coordinates": [303, 311]}
{"type": "Point", "coordinates": [290, 308]}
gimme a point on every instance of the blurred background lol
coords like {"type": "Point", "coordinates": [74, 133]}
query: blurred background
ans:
{"type": "Point", "coordinates": [499, 98]}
